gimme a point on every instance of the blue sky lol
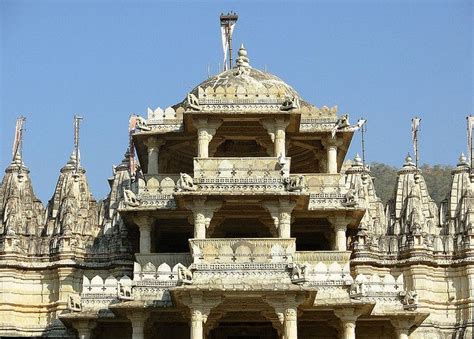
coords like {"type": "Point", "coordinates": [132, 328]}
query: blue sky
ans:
{"type": "Point", "coordinates": [386, 61]}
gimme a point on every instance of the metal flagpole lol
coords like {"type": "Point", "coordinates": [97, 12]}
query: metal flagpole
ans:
{"type": "Point", "coordinates": [362, 131]}
{"type": "Point", "coordinates": [77, 120]}
{"type": "Point", "coordinates": [415, 123]}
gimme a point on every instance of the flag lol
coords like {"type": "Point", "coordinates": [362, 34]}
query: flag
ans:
{"type": "Point", "coordinates": [415, 124]}
{"type": "Point", "coordinates": [132, 124]}
{"type": "Point", "coordinates": [470, 124]}
{"type": "Point", "coordinates": [226, 34]}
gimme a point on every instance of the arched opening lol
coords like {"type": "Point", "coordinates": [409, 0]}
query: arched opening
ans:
{"type": "Point", "coordinates": [312, 234]}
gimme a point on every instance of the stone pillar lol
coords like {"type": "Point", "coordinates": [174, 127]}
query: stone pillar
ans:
{"type": "Point", "coordinates": [138, 320]}
{"type": "Point", "coordinates": [84, 328]}
{"type": "Point", "coordinates": [280, 134]}
{"type": "Point", "coordinates": [280, 212]}
{"type": "Point", "coordinates": [197, 330]}
{"type": "Point", "coordinates": [291, 323]}
{"type": "Point", "coordinates": [402, 326]}
{"type": "Point", "coordinates": [331, 146]}
{"type": "Point", "coordinates": [339, 225]}
{"type": "Point", "coordinates": [348, 317]}
{"type": "Point", "coordinates": [286, 207]}
{"type": "Point", "coordinates": [153, 145]}
{"type": "Point", "coordinates": [144, 226]}
{"type": "Point", "coordinates": [203, 211]}
{"type": "Point", "coordinates": [276, 129]}
{"type": "Point", "coordinates": [206, 130]}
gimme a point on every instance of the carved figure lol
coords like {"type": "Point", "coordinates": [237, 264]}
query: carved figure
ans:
{"type": "Point", "coordinates": [130, 198]}
{"type": "Point", "coordinates": [290, 103]}
{"type": "Point", "coordinates": [298, 272]}
{"type": "Point", "coordinates": [186, 183]}
{"type": "Point", "coordinates": [341, 123]}
{"type": "Point", "coordinates": [124, 292]}
{"type": "Point", "coordinates": [410, 299]}
{"type": "Point", "coordinates": [193, 102]}
{"type": "Point", "coordinates": [74, 304]}
{"type": "Point", "coordinates": [295, 184]}
{"type": "Point", "coordinates": [142, 124]}
{"type": "Point", "coordinates": [350, 199]}
{"type": "Point", "coordinates": [185, 276]}
{"type": "Point", "coordinates": [357, 289]}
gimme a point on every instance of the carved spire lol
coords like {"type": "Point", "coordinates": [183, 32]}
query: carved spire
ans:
{"type": "Point", "coordinates": [72, 211]}
{"type": "Point", "coordinates": [412, 210]}
{"type": "Point", "coordinates": [457, 206]}
{"type": "Point", "coordinates": [358, 180]}
{"type": "Point", "coordinates": [21, 212]}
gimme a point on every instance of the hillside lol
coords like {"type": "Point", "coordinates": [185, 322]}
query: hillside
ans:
{"type": "Point", "coordinates": [437, 177]}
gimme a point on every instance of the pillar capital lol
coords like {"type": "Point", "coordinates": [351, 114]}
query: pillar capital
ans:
{"type": "Point", "coordinates": [138, 319]}
{"type": "Point", "coordinates": [348, 317]}
{"type": "Point", "coordinates": [143, 221]}
{"type": "Point", "coordinates": [280, 211]}
{"type": "Point", "coordinates": [203, 211]}
{"type": "Point", "coordinates": [153, 142]}
{"type": "Point", "coordinates": [331, 142]}
{"type": "Point", "coordinates": [402, 326]}
{"type": "Point", "coordinates": [84, 327]}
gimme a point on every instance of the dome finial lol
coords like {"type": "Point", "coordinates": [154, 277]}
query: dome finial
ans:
{"type": "Point", "coordinates": [242, 59]}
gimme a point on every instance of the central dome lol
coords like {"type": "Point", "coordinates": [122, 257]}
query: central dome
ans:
{"type": "Point", "coordinates": [243, 88]}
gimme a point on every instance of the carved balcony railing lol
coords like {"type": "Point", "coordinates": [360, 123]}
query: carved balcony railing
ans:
{"type": "Point", "coordinates": [248, 250]}
{"type": "Point", "coordinates": [325, 257]}
{"type": "Point", "coordinates": [264, 174]}
{"type": "Point", "coordinates": [326, 191]}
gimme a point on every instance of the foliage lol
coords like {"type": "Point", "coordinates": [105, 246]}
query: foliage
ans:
{"type": "Point", "coordinates": [437, 177]}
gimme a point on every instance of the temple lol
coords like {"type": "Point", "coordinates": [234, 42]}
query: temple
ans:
{"type": "Point", "coordinates": [242, 221]}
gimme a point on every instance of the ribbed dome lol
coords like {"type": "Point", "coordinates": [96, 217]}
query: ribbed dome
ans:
{"type": "Point", "coordinates": [243, 88]}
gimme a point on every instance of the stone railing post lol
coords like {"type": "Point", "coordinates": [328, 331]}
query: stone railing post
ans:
{"type": "Point", "coordinates": [144, 226]}
{"type": "Point", "coordinates": [206, 130]}
{"type": "Point", "coordinates": [153, 145]}
{"type": "Point", "coordinates": [203, 211]}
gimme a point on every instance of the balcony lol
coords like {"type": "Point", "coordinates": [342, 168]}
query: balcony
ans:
{"type": "Point", "coordinates": [256, 250]}
{"type": "Point", "coordinates": [223, 175]}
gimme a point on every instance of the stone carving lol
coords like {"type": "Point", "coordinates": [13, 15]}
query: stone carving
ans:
{"type": "Point", "coordinates": [298, 273]}
{"type": "Point", "coordinates": [193, 102]}
{"type": "Point", "coordinates": [130, 198]}
{"type": "Point", "coordinates": [185, 276]}
{"type": "Point", "coordinates": [125, 292]}
{"type": "Point", "coordinates": [410, 299]}
{"type": "Point", "coordinates": [341, 123]}
{"type": "Point", "coordinates": [296, 184]}
{"type": "Point", "coordinates": [142, 124]}
{"type": "Point", "coordinates": [74, 304]}
{"type": "Point", "coordinates": [350, 198]}
{"type": "Point", "coordinates": [290, 103]}
{"type": "Point", "coordinates": [186, 183]}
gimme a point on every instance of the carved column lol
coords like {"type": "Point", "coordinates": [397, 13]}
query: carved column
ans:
{"type": "Point", "coordinates": [200, 308]}
{"type": "Point", "coordinates": [197, 330]}
{"type": "Point", "coordinates": [276, 128]}
{"type": "Point", "coordinates": [138, 320]}
{"type": "Point", "coordinates": [206, 130]}
{"type": "Point", "coordinates": [348, 317]}
{"type": "Point", "coordinates": [144, 226]}
{"type": "Point", "coordinates": [291, 327]}
{"type": "Point", "coordinates": [402, 326]}
{"type": "Point", "coordinates": [280, 212]}
{"type": "Point", "coordinates": [339, 225]}
{"type": "Point", "coordinates": [203, 211]}
{"type": "Point", "coordinates": [153, 146]}
{"type": "Point", "coordinates": [331, 146]}
{"type": "Point", "coordinates": [84, 328]}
